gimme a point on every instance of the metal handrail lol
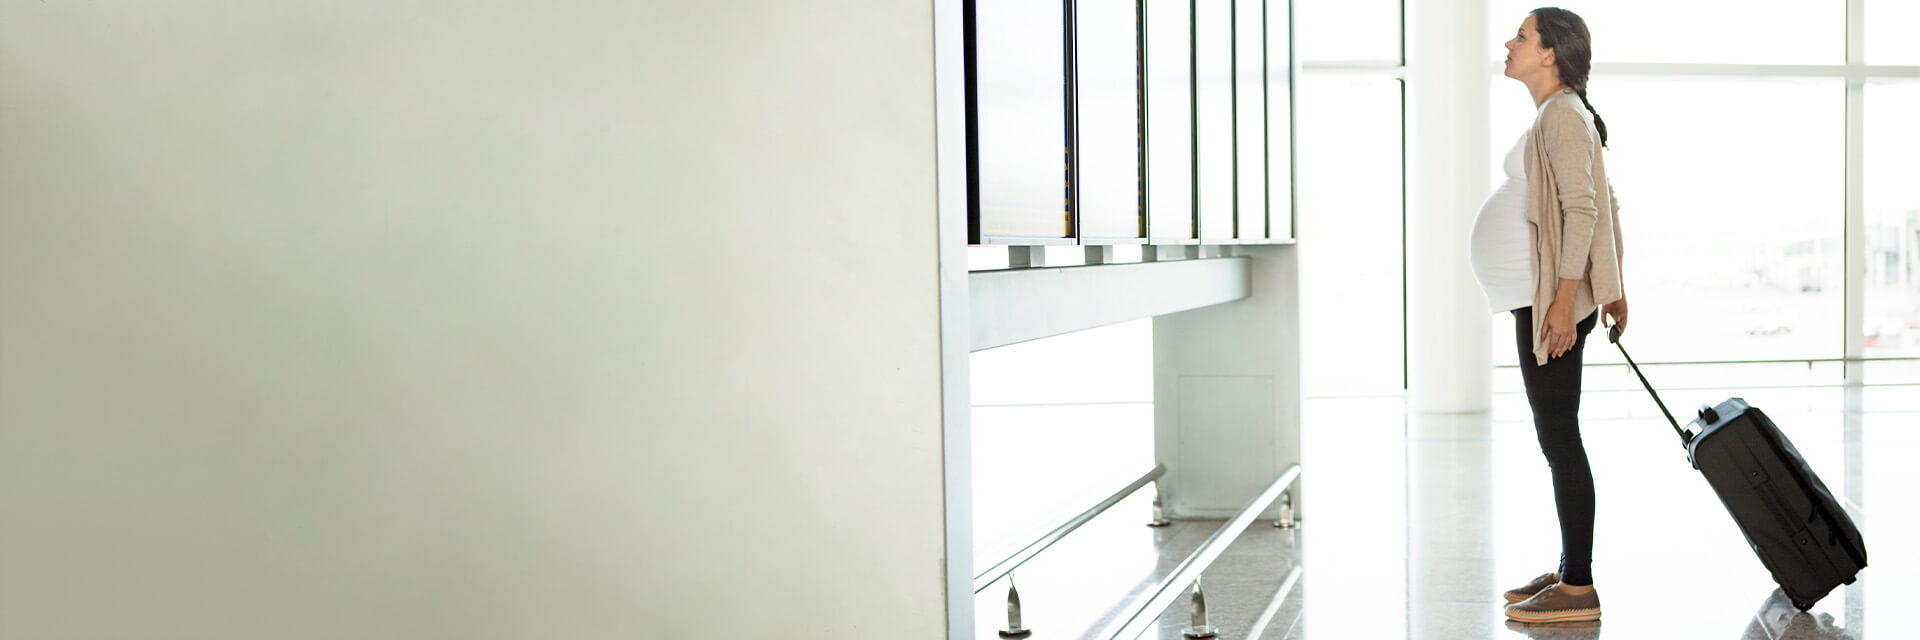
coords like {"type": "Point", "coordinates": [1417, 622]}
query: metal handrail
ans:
{"type": "Point", "coordinates": [1730, 387]}
{"type": "Point", "coordinates": [988, 577]}
{"type": "Point", "coordinates": [1808, 361]}
{"type": "Point", "coordinates": [1163, 595]}
{"type": "Point", "coordinates": [1266, 617]}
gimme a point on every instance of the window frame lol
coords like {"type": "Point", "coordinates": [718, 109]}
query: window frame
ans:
{"type": "Point", "coordinates": [1855, 74]}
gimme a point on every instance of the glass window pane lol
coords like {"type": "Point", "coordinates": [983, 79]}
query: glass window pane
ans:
{"type": "Point", "coordinates": [1058, 423]}
{"type": "Point", "coordinates": [1893, 219]}
{"type": "Point", "coordinates": [1698, 31]}
{"type": "Point", "coordinates": [1109, 135]}
{"type": "Point", "coordinates": [1250, 118]}
{"type": "Point", "coordinates": [1732, 220]}
{"type": "Point", "coordinates": [1901, 372]}
{"type": "Point", "coordinates": [1350, 30]}
{"type": "Point", "coordinates": [1510, 116]}
{"type": "Point", "coordinates": [1279, 123]}
{"type": "Point", "coordinates": [1170, 121]}
{"type": "Point", "coordinates": [1350, 230]}
{"type": "Point", "coordinates": [1890, 38]}
{"type": "Point", "coordinates": [1019, 73]}
{"type": "Point", "coordinates": [1213, 53]}
{"type": "Point", "coordinates": [1359, 484]}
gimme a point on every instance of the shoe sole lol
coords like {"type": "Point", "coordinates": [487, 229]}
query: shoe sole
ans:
{"type": "Point", "coordinates": [1567, 615]}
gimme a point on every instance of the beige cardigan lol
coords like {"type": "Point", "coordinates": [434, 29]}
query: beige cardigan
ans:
{"type": "Point", "coordinates": [1576, 234]}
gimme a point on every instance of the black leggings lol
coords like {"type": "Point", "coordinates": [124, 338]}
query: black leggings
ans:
{"type": "Point", "coordinates": [1554, 393]}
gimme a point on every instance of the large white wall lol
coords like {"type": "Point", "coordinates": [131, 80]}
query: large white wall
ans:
{"type": "Point", "coordinates": [374, 319]}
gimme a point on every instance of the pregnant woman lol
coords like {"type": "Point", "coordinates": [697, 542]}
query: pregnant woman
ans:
{"type": "Point", "coordinates": [1546, 248]}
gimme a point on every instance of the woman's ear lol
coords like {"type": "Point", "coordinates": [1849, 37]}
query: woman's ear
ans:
{"type": "Point", "coordinates": [1548, 60]}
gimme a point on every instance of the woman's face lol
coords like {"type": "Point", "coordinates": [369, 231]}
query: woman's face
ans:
{"type": "Point", "coordinates": [1525, 57]}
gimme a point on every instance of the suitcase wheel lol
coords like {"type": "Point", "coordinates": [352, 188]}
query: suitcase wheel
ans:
{"type": "Point", "coordinates": [1803, 606]}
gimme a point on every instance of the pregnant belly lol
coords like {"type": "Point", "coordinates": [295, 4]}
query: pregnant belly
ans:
{"type": "Point", "coordinates": [1502, 238]}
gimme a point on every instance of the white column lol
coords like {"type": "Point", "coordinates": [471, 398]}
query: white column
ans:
{"type": "Point", "coordinates": [1449, 361]}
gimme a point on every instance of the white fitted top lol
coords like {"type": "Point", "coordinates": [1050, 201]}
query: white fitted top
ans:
{"type": "Point", "coordinates": [1502, 239]}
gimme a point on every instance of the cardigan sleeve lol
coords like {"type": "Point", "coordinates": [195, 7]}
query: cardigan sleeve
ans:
{"type": "Point", "coordinates": [1570, 150]}
{"type": "Point", "coordinates": [1619, 245]}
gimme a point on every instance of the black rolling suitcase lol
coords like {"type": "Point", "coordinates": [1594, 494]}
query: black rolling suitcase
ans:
{"type": "Point", "coordinates": [1802, 535]}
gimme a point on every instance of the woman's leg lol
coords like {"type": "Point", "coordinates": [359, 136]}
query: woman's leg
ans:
{"type": "Point", "coordinates": [1554, 393]}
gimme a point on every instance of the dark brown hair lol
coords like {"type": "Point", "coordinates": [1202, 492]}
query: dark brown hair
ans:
{"type": "Point", "coordinates": [1566, 34]}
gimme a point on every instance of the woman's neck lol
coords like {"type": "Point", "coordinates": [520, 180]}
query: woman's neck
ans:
{"type": "Point", "coordinates": [1545, 90]}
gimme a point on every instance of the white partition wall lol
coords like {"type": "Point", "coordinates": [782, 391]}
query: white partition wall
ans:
{"type": "Point", "coordinates": [1226, 387]}
{"type": "Point", "coordinates": [592, 320]}
{"type": "Point", "coordinates": [390, 320]}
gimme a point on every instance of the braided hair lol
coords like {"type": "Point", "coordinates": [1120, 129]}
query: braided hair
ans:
{"type": "Point", "coordinates": [1566, 34]}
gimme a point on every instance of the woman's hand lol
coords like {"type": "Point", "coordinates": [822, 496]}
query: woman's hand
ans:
{"type": "Point", "coordinates": [1617, 312]}
{"type": "Point", "coordinates": [1558, 329]}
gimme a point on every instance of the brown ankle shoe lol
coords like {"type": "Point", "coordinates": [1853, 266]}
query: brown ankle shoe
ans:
{"type": "Point", "coordinates": [1554, 605]}
{"type": "Point", "coordinates": [1545, 580]}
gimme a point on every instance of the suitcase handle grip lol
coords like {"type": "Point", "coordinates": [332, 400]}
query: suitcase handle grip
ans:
{"type": "Point", "coordinates": [1613, 336]}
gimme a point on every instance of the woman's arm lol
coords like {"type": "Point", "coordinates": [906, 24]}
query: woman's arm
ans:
{"type": "Point", "coordinates": [1569, 148]}
{"type": "Point", "coordinates": [1558, 329]}
{"type": "Point", "coordinates": [1617, 310]}
{"type": "Point", "coordinates": [1570, 154]}
{"type": "Point", "coordinates": [1619, 243]}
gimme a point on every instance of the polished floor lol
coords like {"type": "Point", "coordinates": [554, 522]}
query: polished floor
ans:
{"type": "Point", "coordinates": [1413, 523]}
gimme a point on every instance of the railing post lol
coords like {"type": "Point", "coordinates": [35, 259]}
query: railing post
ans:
{"type": "Point", "coordinates": [1199, 628]}
{"type": "Point", "coordinates": [1150, 607]}
{"type": "Point", "coordinates": [1159, 512]}
{"type": "Point", "coordinates": [1014, 630]}
{"type": "Point", "coordinates": [1286, 520]}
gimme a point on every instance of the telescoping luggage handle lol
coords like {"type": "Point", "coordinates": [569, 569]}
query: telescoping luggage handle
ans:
{"type": "Point", "coordinates": [1859, 556]}
{"type": "Point", "coordinates": [1613, 336]}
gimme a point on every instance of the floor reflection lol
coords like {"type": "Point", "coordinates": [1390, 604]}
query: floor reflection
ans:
{"type": "Point", "coordinates": [1413, 524]}
{"type": "Point", "coordinates": [1777, 619]}
{"type": "Point", "coordinates": [1588, 630]}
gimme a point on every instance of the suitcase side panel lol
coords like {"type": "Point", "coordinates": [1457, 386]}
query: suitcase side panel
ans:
{"type": "Point", "coordinates": [1748, 496]}
{"type": "Point", "coordinates": [1833, 514]}
{"type": "Point", "coordinates": [1743, 460]}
